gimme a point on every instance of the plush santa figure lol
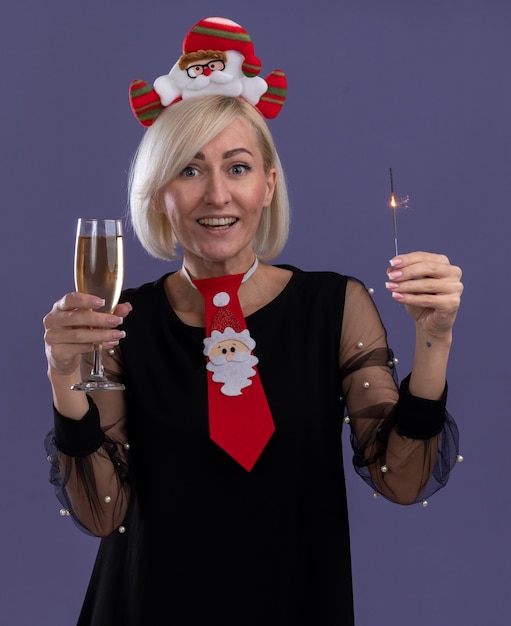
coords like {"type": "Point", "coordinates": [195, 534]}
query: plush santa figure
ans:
{"type": "Point", "coordinates": [218, 58]}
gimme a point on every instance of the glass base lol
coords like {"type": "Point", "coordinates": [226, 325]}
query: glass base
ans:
{"type": "Point", "coordinates": [98, 384]}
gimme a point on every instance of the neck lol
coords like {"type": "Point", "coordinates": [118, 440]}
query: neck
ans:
{"type": "Point", "coordinates": [247, 275]}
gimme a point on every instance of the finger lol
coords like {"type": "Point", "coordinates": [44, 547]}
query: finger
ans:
{"type": "Point", "coordinates": [426, 268]}
{"type": "Point", "coordinates": [82, 336]}
{"type": "Point", "coordinates": [444, 302]}
{"type": "Point", "coordinates": [73, 318]}
{"type": "Point", "coordinates": [411, 258]}
{"type": "Point", "coordinates": [69, 303]}
{"type": "Point", "coordinates": [77, 300]}
{"type": "Point", "coordinates": [427, 285]}
{"type": "Point", "coordinates": [95, 335]}
{"type": "Point", "coordinates": [123, 309]}
{"type": "Point", "coordinates": [418, 264]}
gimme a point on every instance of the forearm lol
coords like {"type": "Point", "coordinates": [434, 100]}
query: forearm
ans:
{"type": "Point", "coordinates": [90, 467]}
{"type": "Point", "coordinates": [405, 468]}
{"type": "Point", "coordinates": [400, 446]}
{"type": "Point", "coordinates": [98, 493]}
{"type": "Point", "coordinates": [429, 367]}
{"type": "Point", "coordinates": [72, 404]}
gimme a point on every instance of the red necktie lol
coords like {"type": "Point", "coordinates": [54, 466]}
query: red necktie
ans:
{"type": "Point", "coordinates": [240, 420]}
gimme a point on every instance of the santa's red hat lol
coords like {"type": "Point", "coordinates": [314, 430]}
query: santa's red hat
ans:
{"type": "Point", "coordinates": [224, 318]}
{"type": "Point", "coordinates": [220, 33]}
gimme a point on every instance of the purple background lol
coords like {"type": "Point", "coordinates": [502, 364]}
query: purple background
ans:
{"type": "Point", "coordinates": [422, 87]}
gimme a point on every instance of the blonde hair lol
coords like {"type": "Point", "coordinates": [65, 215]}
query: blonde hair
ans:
{"type": "Point", "coordinates": [175, 137]}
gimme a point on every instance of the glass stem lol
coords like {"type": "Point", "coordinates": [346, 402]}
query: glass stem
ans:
{"type": "Point", "coordinates": [98, 370]}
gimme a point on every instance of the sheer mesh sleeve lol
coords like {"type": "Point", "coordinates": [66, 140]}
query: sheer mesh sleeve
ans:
{"type": "Point", "coordinates": [88, 460]}
{"type": "Point", "coordinates": [404, 447]}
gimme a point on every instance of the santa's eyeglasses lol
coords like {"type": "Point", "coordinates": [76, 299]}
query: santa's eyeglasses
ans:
{"type": "Point", "coordinates": [197, 69]}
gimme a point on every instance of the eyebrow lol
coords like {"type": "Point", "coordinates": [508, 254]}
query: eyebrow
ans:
{"type": "Point", "coordinates": [226, 155]}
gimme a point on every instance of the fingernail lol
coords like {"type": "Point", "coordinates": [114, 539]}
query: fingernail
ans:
{"type": "Point", "coordinates": [397, 295]}
{"type": "Point", "coordinates": [391, 285]}
{"type": "Point", "coordinates": [396, 261]}
{"type": "Point", "coordinates": [97, 302]}
{"type": "Point", "coordinates": [115, 320]}
{"type": "Point", "coordinates": [394, 274]}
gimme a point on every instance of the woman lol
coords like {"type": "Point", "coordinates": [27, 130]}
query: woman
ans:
{"type": "Point", "coordinates": [189, 532]}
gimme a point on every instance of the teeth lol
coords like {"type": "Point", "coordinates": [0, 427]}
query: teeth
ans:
{"type": "Point", "coordinates": [217, 221]}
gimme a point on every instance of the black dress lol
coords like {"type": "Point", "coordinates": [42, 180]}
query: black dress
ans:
{"type": "Point", "coordinates": [205, 541]}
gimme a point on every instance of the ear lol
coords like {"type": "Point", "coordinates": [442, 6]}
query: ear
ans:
{"type": "Point", "coordinates": [271, 180]}
{"type": "Point", "coordinates": [158, 205]}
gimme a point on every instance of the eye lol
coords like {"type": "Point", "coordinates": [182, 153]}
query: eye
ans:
{"type": "Point", "coordinates": [216, 65]}
{"type": "Point", "coordinates": [240, 168]}
{"type": "Point", "coordinates": [189, 172]}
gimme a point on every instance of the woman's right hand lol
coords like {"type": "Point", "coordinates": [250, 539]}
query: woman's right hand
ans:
{"type": "Point", "coordinates": [73, 326]}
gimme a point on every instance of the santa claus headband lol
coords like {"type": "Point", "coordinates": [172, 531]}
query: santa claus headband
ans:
{"type": "Point", "coordinates": [217, 58]}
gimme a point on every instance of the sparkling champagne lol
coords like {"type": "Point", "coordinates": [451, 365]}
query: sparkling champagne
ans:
{"type": "Point", "coordinates": [99, 268]}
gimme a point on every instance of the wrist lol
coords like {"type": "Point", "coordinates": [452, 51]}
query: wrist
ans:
{"type": "Point", "coordinates": [56, 374]}
{"type": "Point", "coordinates": [440, 340]}
{"type": "Point", "coordinates": [72, 404]}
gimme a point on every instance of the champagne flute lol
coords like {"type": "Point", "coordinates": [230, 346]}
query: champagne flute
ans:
{"type": "Point", "coordinates": [99, 270]}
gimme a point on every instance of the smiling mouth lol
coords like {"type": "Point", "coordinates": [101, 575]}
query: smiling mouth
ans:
{"type": "Point", "coordinates": [217, 222]}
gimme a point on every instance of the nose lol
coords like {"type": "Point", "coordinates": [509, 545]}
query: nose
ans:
{"type": "Point", "coordinates": [206, 71]}
{"type": "Point", "coordinates": [218, 192]}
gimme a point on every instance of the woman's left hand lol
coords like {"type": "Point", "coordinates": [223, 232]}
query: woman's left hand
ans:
{"type": "Point", "coordinates": [429, 287]}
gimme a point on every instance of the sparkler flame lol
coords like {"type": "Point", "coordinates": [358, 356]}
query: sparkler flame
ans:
{"type": "Point", "coordinates": [393, 204]}
{"type": "Point", "coordinates": [400, 203]}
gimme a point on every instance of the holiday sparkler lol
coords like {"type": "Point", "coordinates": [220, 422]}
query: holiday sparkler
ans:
{"type": "Point", "coordinates": [393, 205]}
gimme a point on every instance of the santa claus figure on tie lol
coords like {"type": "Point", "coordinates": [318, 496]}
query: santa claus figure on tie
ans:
{"type": "Point", "coordinates": [230, 356]}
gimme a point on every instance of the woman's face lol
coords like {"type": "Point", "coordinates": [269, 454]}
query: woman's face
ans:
{"type": "Point", "coordinates": [215, 204]}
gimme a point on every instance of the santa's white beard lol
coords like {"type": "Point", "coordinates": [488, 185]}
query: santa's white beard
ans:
{"type": "Point", "coordinates": [216, 83]}
{"type": "Point", "coordinates": [234, 374]}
